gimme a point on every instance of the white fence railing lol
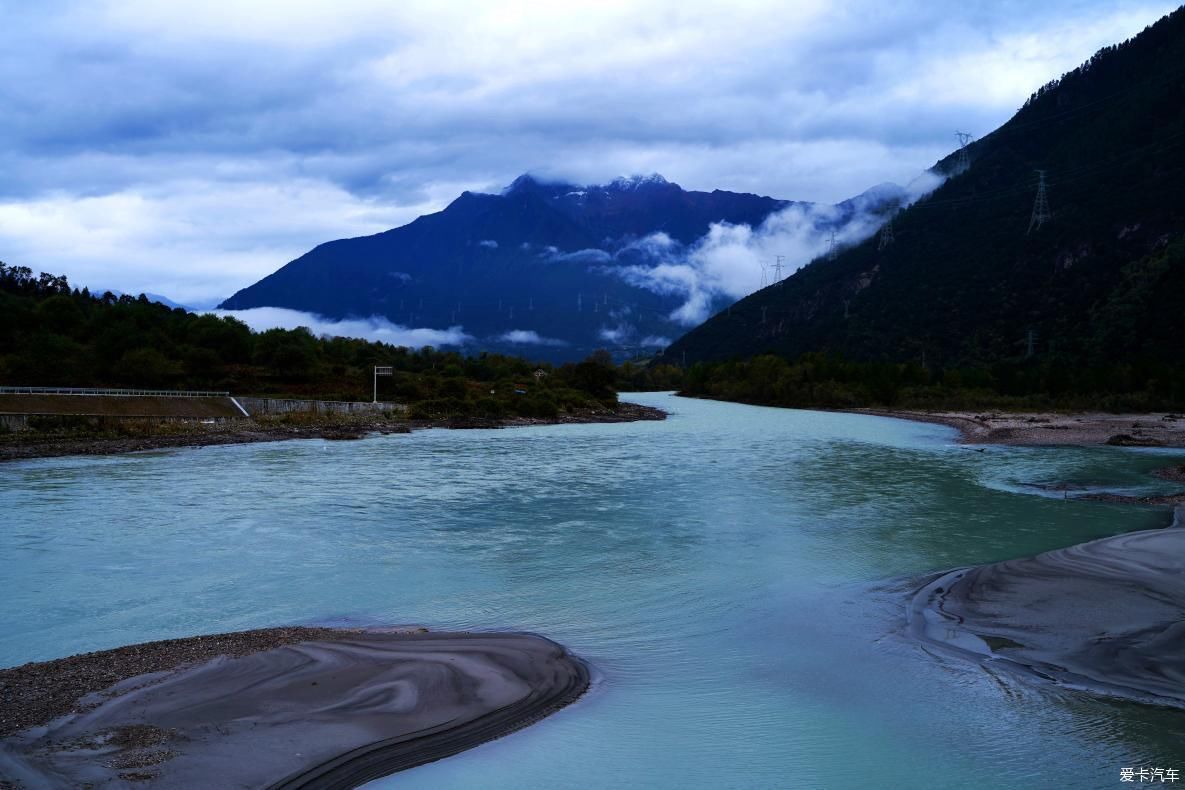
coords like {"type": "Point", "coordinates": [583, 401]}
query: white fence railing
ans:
{"type": "Point", "coordinates": [120, 392]}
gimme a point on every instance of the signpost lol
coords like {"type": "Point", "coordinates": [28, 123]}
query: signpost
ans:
{"type": "Point", "coordinates": [380, 371]}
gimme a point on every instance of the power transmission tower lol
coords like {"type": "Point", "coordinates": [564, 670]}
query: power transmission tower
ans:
{"type": "Point", "coordinates": [832, 246]}
{"type": "Point", "coordinates": [778, 268]}
{"type": "Point", "coordinates": [886, 235]}
{"type": "Point", "coordinates": [1030, 343]}
{"type": "Point", "coordinates": [963, 162]}
{"type": "Point", "coordinates": [1041, 213]}
{"type": "Point", "coordinates": [763, 278]}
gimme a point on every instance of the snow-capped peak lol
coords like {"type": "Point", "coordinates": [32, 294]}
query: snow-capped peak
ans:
{"type": "Point", "coordinates": [636, 181]}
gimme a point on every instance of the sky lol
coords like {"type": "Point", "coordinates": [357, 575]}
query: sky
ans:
{"type": "Point", "coordinates": [190, 149]}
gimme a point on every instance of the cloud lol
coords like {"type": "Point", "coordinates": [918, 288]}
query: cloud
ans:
{"type": "Point", "coordinates": [579, 256]}
{"type": "Point", "coordinates": [374, 328]}
{"type": "Point", "coordinates": [732, 261]}
{"type": "Point", "coordinates": [189, 240]}
{"type": "Point", "coordinates": [529, 337]}
{"type": "Point", "coordinates": [185, 150]}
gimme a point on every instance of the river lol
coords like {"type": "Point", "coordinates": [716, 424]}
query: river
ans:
{"type": "Point", "coordinates": [736, 575]}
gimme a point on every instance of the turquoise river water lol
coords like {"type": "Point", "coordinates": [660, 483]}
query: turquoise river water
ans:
{"type": "Point", "coordinates": [736, 575]}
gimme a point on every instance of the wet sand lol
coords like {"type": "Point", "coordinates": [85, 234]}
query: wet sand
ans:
{"type": "Point", "coordinates": [1106, 616]}
{"type": "Point", "coordinates": [1051, 428]}
{"type": "Point", "coordinates": [292, 708]}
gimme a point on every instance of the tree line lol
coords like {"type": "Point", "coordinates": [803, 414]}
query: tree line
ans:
{"type": "Point", "coordinates": [52, 334]}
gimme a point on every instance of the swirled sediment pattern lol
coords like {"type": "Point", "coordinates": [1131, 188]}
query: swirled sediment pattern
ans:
{"type": "Point", "coordinates": [1106, 616]}
{"type": "Point", "coordinates": [321, 714]}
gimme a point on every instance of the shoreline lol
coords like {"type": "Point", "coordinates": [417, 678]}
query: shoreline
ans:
{"type": "Point", "coordinates": [1046, 429]}
{"type": "Point", "coordinates": [351, 705]}
{"type": "Point", "coordinates": [12, 448]}
{"type": "Point", "coordinates": [1051, 429]}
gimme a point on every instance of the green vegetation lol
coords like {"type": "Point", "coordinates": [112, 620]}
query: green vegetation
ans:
{"type": "Point", "coordinates": [965, 305]}
{"type": "Point", "coordinates": [53, 335]}
{"type": "Point", "coordinates": [827, 381]}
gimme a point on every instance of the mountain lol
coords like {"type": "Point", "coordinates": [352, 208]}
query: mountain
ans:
{"type": "Point", "coordinates": [167, 302]}
{"type": "Point", "coordinates": [536, 270]}
{"type": "Point", "coordinates": [972, 276]}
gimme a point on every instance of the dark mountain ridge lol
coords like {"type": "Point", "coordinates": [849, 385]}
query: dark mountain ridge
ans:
{"type": "Point", "coordinates": [1095, 289]}
{"type": "Point", "coordinates": [540, 258]}
{"type": "Point", "coordinates": [535, 258]}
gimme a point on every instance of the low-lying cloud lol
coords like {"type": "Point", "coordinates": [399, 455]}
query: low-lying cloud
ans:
{"type": "Point", "coordinates": [732, 261]}
{"type": "Point", "coordinates": [529, 337]}
{"type": "Point", "coordinates": [374, 328]}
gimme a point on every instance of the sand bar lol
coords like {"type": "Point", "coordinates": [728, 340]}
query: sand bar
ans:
{"type": "Point", "coordinates": [291, 708]}
{"type": "Point", "coordinates": [1106, 616]}
{"type": "Point", "coordinates": [1052, 428]}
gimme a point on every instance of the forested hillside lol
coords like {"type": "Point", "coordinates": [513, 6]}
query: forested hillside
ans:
{"type": "Point", "coordinates": [1089, 299]}
{"type": "Point", "coordinates": [53, 335]}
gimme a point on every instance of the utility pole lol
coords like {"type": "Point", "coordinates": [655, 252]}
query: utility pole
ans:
{"type": "Point", "coordinates": [886, 235]}
{"type": "Point", "coordinates": [832, 246]}
{"type": "Point", "coordinates": [1041, 213]}
{"type": "Point", "coordinates": [963, 162]}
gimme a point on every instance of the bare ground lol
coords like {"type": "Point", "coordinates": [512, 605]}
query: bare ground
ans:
{"type": "Point", "coordinates": [27, 444]}
{"type": "Point", "coordinates": [281, 707]}
{"type": "Point", "coordinates": [1051, 428]}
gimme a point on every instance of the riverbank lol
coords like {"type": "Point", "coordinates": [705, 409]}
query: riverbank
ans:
{"type": "Point", "coordinates": [1103, 616]}
{"type": "Point", "coordinates": [25, 445]}
{"type": "Point", "coordinates": [286, 707]}
{"type": "Point", "coordinates": [1048, 429]}
{"type": "Point", "coordinates": [1052, 428]}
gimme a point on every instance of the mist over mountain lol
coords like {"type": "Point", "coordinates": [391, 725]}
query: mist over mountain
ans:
{"type": "Point", "coordinates": [977, 274]}
{"type": "Point", "coordinates": [555, 270]}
